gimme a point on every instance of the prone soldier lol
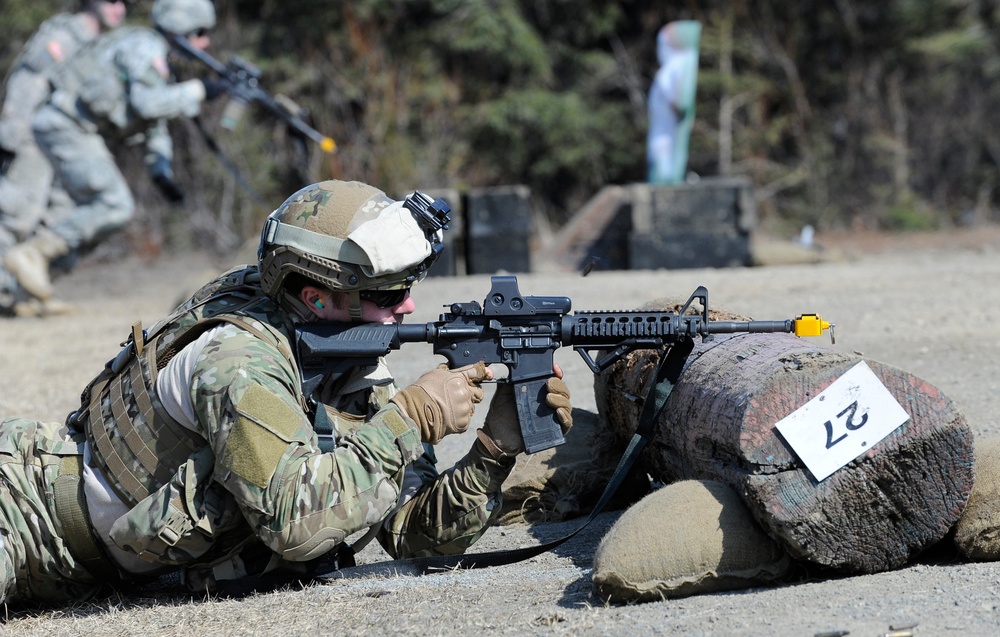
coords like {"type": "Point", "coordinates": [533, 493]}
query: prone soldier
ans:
{"type": "Point", "coordinates": [195, 449]}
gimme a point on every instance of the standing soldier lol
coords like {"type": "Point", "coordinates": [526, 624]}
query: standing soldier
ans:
{"type": "Point", "coordinates": [26, 182]}
{"type": "Point", "coordinates": [118, 89]}
{"type": "Point", "coordinates": [196, 449]}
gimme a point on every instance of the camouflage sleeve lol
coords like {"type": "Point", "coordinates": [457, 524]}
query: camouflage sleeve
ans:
{"type": "Point", "coordinates": [451, 512]}
{"type": "Point", "coordinates": [143, 60]}
{"type": "Point", "coordinates": [300, 501]}
{"type": "Point", "coordinates": [28, 83]}
{"type": "Point", "coordinates": [26, 91]}
{"type": "Point", "coordinates": [55, 41]}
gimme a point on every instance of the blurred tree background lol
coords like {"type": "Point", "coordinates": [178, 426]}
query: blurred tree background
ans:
{"type": "Point", "coordinates": [843, 113]}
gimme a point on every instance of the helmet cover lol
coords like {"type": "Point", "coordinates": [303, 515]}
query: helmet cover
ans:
{"type": "Point", "coordinates": [183, 16]}
{"type": "Point", "coordinates": [346, 236]}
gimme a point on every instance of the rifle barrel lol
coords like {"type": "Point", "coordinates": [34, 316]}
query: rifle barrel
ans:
{"type": "Point", "coordinates": [752, 327]}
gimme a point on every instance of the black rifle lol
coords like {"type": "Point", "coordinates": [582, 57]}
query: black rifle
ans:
{"type": "Point", "coordinates": [523, 332]}
{"type": "Point", "coordinates": [6, 159]}
{"type": "Point", "coordinates": [242, 81]}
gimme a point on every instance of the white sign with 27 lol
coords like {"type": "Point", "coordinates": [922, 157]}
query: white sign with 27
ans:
{"type": "Point", "coordinates": [845, 420]}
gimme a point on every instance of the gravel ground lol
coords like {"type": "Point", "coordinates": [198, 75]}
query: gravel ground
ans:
{"type": "Point", "coordinates": [928, 304]}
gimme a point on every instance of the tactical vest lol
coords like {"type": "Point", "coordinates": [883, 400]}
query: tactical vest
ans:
{"type": "Point", "coordinates": [133, 441]}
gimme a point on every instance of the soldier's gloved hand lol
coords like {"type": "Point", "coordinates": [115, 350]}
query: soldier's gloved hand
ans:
{"type": "Point", "coordinates": [501, 433]}
{"type": "Point", "coordinates": [442, 401]}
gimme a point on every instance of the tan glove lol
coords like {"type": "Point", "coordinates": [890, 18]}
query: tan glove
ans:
{"type": "Point", "coordinates": [501, 433]}
{"type": "Point", "coordinates": [442, 401]}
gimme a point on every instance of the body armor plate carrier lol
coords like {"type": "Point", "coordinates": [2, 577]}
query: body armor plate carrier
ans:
{"type": "Point", "coordinates": [133, 441]}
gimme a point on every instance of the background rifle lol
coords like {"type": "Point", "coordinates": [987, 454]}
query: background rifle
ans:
{"type": "Point", "coordinates": [522, 333]}
{"type": "Point", "coordinates": [6, 157]}
{"type": "Point", "coordinates": [242, 81]}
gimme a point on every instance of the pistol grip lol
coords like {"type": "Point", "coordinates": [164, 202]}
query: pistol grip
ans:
{"type": "Point", "coordinates": [539, 427]}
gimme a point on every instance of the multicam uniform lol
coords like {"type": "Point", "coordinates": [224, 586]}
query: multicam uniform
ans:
{"type": "Point", "coordinates": [190, 465]}
{"type": "Point", "coordinates": [118, 89]}
{"type": "Point", "coordinates": [24, 189]}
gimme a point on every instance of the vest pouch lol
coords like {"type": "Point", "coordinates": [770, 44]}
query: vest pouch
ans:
{"type": "Point", "coordinates": [179, 522]}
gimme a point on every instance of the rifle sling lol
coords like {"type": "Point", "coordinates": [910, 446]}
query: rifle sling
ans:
{"type": "Point", "coordinates": [227, 163]}
{"type": "Point", "coordinates": [667, 374]}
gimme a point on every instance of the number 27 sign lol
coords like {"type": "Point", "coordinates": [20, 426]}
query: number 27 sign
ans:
{"type": "Point", "coordinates": [845, 420]}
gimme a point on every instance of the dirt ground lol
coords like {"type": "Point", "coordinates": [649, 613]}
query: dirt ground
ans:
{"type": "Point", "coordinates": [929, 304]}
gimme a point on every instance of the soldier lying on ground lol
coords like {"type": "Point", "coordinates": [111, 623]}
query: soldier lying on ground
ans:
{"type": "Point", "coordinates": [195, 449]}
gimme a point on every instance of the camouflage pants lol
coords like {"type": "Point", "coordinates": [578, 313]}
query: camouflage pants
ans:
{"type": "Point", "coordinates": [29, 198]}
{"type": "Point", "coordinates": [35, 562]}
{"type": "Point", "coordinates": [85, 171]}
{"type": "Point", "coordinates": [24, 194]}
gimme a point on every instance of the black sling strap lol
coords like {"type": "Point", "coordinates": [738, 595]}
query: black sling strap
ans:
{"type": "Point", "coordinates": [667, 374]}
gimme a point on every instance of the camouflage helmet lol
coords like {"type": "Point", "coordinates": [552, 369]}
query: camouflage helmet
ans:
{"type": "Point", "coordinates": [350, 237]}
{"type": "Point", "coordinates": [183, 16]}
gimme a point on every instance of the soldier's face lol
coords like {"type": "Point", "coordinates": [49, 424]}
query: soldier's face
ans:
{"type": "Point", "coordinates": [329, 309]}
{"type": "Point", "coordinates": [199, 39]}
{"type": "Point", "coordinates": [111, 13]}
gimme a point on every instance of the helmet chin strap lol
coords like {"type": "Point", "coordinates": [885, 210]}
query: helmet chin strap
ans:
{"type": "Point", "coordinates": [355, 308]}
{"type": "Point", "coordinates": [304, 311]}
{"type": "Point", "coordinates": [300, 309]}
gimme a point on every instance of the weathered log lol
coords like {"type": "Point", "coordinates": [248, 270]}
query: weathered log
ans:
{"type": "Point", "coordinates": [874, 514]}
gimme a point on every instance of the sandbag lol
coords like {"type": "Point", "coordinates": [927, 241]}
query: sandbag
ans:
{"type": "Point", "coordinates": [977, 532]}
{"type": "Point", "coordinates": [689, 537]}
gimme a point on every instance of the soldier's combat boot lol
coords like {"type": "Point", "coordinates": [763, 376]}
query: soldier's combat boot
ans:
{"type": "Point", "coordinates": [29, 261]}
{"type": "Point", "coordinates": [36, 308]}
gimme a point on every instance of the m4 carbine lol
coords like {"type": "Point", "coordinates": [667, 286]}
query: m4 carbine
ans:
{"type": "Point", "coordinates": [522, 333]}
{"type": "Point", "coordinates": [242, 82]}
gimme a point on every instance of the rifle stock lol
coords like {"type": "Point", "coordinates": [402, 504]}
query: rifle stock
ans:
{"type": "Point", "coordinates": [522, 333]}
